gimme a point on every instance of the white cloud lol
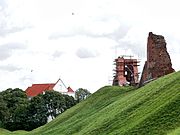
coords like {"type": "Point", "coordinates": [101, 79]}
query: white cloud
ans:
{"type": "Point", "coordinates": [7, 49]}
{"type": "Point", "coordinates": [8, 23]}
{"type": "Point", "coordinates": [44, 36]}
{"type": "Point", "coordinates": [86, 53]}
{"type": "Point", "coordinates": [9, 68]}
{"type": "Point", "coordinates": [57, 54]}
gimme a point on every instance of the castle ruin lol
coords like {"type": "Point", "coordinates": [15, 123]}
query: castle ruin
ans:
{"type": "Point", "coordinates": [158, 60]}
{"type": "Point", "coordinates": [158, 64]}
{"type": "Point", "coordinates": [126, 71]}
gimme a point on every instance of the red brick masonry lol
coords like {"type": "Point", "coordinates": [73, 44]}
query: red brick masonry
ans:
{"type": "Point", "coordinates": [158, 60]}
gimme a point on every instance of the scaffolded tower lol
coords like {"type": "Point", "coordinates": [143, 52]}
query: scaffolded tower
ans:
{"type": "Point", "coordinates": [126, 71]}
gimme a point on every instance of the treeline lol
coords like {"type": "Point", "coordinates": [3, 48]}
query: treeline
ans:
{"type": "Point", "coordinates": [17, 112]}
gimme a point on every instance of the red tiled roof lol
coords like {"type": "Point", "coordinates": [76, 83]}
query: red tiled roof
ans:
{"type": "Point", "coordinates": [70, 90]}
{"type": "Point", "coordinates": [36, 89]}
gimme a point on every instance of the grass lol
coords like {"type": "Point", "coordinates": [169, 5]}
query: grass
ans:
{"type": "Point", "coordinates": [175, 132]}
{"type": "Point", "coordinates": [6, 132]}
{"type": "Point", "coordinates": [151, 110]}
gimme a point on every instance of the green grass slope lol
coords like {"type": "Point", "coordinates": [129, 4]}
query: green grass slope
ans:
{"type": "Point", "coordinates": [151, 110]}
{"type": "Point", "coordinates": [175, 132]}
{"type": "Point", "coordinates": [6, 132]}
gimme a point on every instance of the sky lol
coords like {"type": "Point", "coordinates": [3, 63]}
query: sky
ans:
{"type": "Point", "coordinates": [78, 40]}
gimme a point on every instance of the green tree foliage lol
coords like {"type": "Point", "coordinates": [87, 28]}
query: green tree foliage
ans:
{"type": "Point", "coordinates": [14, 98]}
{"type": "Point", "coordinates": [19, 113]}
{"type": "Point", "coordinates": [36, 112]}
{"type": "Point", "coordinates": [55, 103]}
{"type": "Point", "coordinates": [16, 101]}
{"type": "Point", "coordinates": [81, 94]}
{"type": "Point", "coordinates": [4, 112]}
{"type": "Point", "coordinates": [69, 101]}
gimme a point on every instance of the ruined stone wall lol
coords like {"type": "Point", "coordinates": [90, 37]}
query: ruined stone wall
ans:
{"type": "Point", "coordinates": [158, 60]}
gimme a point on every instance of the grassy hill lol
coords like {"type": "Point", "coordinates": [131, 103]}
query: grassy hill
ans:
{"type": "Point", "coordinates": [151, 110]}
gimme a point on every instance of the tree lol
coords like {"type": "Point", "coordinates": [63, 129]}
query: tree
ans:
{"type": "Point", "coordinates": [4, 112]}
{"type": "Point", "coordinates": [19, 118]}
{"type": "Point", "coordinates": [15, 100]}
{"type": "Point", "coordinates": [37, 113]}
{"type": "Point", "coordinates": [55, 103]}
{"type": "Point", "coordinates": [19, 113]}
{"type": "Point", "coordinates": [69, 101]}
{"type": "Point", "coordinates": [81, 94]}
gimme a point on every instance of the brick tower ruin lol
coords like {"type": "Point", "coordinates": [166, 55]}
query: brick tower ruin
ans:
{"type": "Point", "coordinates": [158, 60]}
{"type": "Point", "coordinates": [126, 71]}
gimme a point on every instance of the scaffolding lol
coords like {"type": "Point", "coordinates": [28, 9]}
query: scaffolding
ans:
{"type": "Point", "coordinates": [126, 71]}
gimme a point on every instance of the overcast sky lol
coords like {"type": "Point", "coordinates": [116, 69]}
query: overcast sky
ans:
{"type": "Point", "coordinates": [77, 40]}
